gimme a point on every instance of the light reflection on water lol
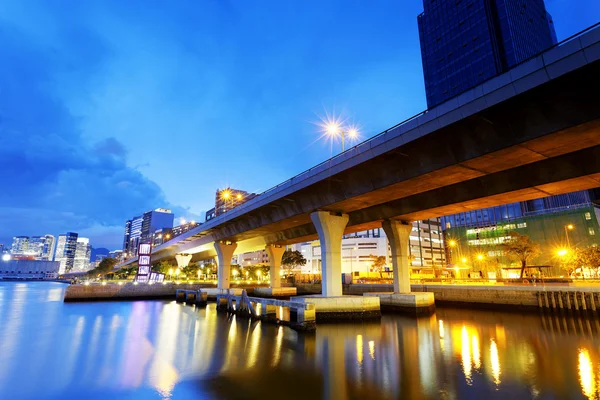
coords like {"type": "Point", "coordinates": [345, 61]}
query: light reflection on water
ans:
{"type": "Point", "coordinates": [165, 350]}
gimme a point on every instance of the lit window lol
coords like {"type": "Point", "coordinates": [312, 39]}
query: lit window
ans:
{"type": "Point", "coordinates": [588, 216]}
{"type": "Point", "coordinates": [591, 231]}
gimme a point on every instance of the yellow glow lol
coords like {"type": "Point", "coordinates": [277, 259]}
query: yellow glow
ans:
{"type": "Point", "coordinates": [441, 323]}
{"type": "Point", "coordinates": [570, 227]}
{"type": "Point", "coordinates": [86, 283]}
{"type": "Point", "coordinates": [235, 272]}
{"type": "Point", "coordinates": [239, 196]}
{"type": "Point", "coordinates": [586, 374]}
{"type": "Point", "coordinates": [177, 272]}
{"type": "Point", "coordinates": [167, 236]}
{"type": "Point", "coordinates": [452, 243]}
{"type": "Point", "coordinates": [193, 222]}
{"type": "Point", "coordinates": [562, 252]}
{"type": "Point", "coordinates": [480, 256]}
{"type": "Point", "coordinates": [495, 360]}
{"type": "Point", "coordinates": [225, 194]}
{"type": "Point", "coordinates": [466, 354]}
{"type": "Point", "coordinates": [359, 349]}
{"type": "Point", "coordinates": [258, 273]}
{"type": "Point", "coordinates": [170, 271]}
{"type": "Point", "coordinates": [372, 349]}
{"type": "Point", "coordinates": [103, 283]}
{"type": "Point", "coordinates": [182, 221]}
{"type": "Point", "coordinates": [476, 350]}
{"type": "Point", "coordinates": [120, 283]}
{"type": "Point", "coordinates": [463, 260]}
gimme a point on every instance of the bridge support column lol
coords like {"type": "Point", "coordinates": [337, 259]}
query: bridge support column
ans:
{"type": "Point", "coordinates": [224, 255]}
{"type": "Point", "coordinates": [330, 229]}
{"type": "Point", "coordinates": [398, 234]}
{"type": "Point", "coordinates": [183, 260]}
{"type": "Point", "coordinates": [275, 253]}
{"type": "Point", "coordinates": [402, 299]}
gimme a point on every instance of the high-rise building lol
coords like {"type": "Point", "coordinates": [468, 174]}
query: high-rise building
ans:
{"type": "Point", "coordinates": [466, 42]}
{"type": "Point", "coordinates": [49, 244]}
{"type": "Point", "coordinates": [65, 251]}
{"type": "Point", "coordinates": [142, 228]}
{"type": "Point", "coordinates": [83, 251]}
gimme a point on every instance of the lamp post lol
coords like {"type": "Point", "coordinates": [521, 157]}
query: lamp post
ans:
{"type": "Point", "coordinates": [333, 128]}
{"type": "Point", "coordinates": [568, 228]}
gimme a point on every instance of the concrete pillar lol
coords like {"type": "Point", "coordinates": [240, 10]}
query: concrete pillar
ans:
{"type": "Point", "coordinates": [183, 260]}
{"type": "Point", "coordinates": [224, 255]}
{"type": "Point", "coordinates": [330, 229]}
{"type": "Point", "coordinates": [398, 234]}
{"type": "Point", "coordinates": [275, 253]}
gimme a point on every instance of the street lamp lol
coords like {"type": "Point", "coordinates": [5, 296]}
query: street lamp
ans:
{"type": "Point", "coordinates": [170, 273]}
{"type": "Point", "coordinates": [333, 128]}
{"type": "Point", "coordinates": [568, 228]}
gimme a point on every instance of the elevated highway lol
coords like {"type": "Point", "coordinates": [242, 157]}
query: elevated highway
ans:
{"type": "Point", "coordinates": [531, 132]}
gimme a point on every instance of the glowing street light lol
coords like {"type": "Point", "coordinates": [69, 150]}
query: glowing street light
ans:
{"type": "Point", "coordinates": [333, 128]}
{"type": "Point", "coordinates": [562, 252]}
{"type": "Point", "coordinates": [568, 228]}
{"type": "Point", "coordinates": [480, 257]}
{"type": "Point", "coordinates": [225, 194]}
{"type": "Point", "coordinates": [452, 243]}
{"type": "Point", "coordinates": [464, 260]}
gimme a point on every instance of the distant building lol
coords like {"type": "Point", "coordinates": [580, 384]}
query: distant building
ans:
{"type": "Point", "coordinates": [11, 269]}
{"type": "Point", "coordinates": [464, 43]}
{"type": "Point", "coordinates": [65, 251]}
{"type": "Point", "coordinates": [34, 247]}
{"type": "Point", "coordinates": [142, 228]}
{"type": "Point", "coordinates": [227, 199]}
{"type": "Point", "coordinates": [83, 250]}
{"type": "Point", "coordinates": [117, 255]}
{"type": "Point", "coordinates": [20, 246]}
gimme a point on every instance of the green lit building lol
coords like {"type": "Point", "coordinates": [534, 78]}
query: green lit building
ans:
{"type": "Point", "coordinates": [478, 247]}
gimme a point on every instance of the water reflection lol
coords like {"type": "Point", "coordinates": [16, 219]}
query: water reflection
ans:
{"type": "Point", "coordinates": [165, 350]}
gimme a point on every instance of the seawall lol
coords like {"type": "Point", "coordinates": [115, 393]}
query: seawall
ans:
{"type": "Point", "coordinates": [511, 298]}
{"type": "Point", "coordinates": [130, 291]}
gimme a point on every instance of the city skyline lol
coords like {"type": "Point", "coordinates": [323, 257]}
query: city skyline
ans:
{"type": "Point", "coordinates": [107, 145]}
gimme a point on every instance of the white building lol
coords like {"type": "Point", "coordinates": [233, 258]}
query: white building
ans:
{"type": "Point", "coordinates": [426, 248]}
{"type": "Point", "coordinates": [36, 247]}
{"type": "Point", "coordinates": [83, 251]}
{"type": "Point", "coordinates": [20, 246]}
{"type": "Point", "coordinates": [28, 269]}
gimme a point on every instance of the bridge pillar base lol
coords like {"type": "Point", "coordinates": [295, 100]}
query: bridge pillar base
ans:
{"type": "Point", "coordinates": [224, 255]}
{"type": "Point", "coordinates": [275, 292]}
{"type": "Point", "coordinates": [340, 308]}
{"type": "Point", "coordinates": [417, 303]}
{"type": "Point", "coordinates": [275, 254]}
{"type": "Point", "coordinates": [398, 234]}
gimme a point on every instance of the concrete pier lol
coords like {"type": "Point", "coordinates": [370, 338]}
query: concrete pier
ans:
{"type": "Point", "coordinates": [407, 303]}
{"type": "Point", "coordinates": [275, 292]}
{"type": "Point", "coordinates": [335, 308]}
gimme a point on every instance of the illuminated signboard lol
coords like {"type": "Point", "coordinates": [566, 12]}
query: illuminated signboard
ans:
{"type": "Point", "coordinates": [144, 262]}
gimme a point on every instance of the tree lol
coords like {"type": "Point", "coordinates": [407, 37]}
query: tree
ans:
{"type": "Point", "coordinates": [521, 248]}
{"type": "Point", "coordinates": [161, 267]}
{"type": "Point", "coordinates": [191, 271]}
{"type": "Point", "coordinates": [292, 259]}
{"type": "Point", "coordinates": [378, 263]}
{"type": "Point", "coordinates": [106, 265]}
{"type": "Point", "coordinates": [588, 257]}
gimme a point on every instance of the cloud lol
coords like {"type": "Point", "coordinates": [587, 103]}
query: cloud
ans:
{"type": "Point", "coordinates": [54, 178]}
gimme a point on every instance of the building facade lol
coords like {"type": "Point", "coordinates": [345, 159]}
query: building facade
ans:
{"type": "Point", "coordinates": [83, 252]}
{"type": "Point", "coordinates": [141, 229]}
{"type": "Point", "coordinates": [466, 42]}
{"type": "Point", "coordinates": [66, 247]}
{"type": "Point", "coordinates": [227, 199]}
{"type": "Point", "coordinates": [34, 247]}
{"type": "Point", "coordinates": [358, 249]}
{"type": "Point", "coordinates": [11, 269]}
{"type": "Point", "coordinates": [479, 247]}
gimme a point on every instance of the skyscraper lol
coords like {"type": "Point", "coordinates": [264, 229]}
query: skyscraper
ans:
{"type": "Point", "coordinates": [49, 244]}
{"type": "Point", "coordinates": [20, 245]}
{"type": "Point", "coordinates": [142, 227]}
{"type": "Point", "coordinates": [466, 42]}
{"type": "Point", "coordinates": [65, 251]}
{"type": "Point", "coordinates": [83, 250]}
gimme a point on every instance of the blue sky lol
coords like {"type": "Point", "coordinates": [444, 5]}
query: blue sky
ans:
{"type": "Point", "coordinates": [109, 108]}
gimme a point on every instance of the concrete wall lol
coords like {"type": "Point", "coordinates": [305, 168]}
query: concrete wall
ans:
{"type": "Point", "coordinates": [129, 291]}
{"type": "Point", "coordinates": [505, 297]}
